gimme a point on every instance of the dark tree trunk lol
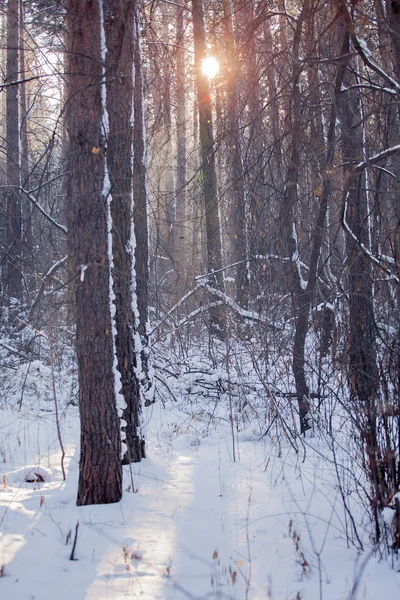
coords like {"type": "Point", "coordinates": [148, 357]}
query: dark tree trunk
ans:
{"type": "Point", "coordinates": [289, 244]}
{"type": "Point", "coordinates": [393, 16]}
{"type": "Point", "coordinates": [26, 208]}
{"type": "Point", "coordinates": [305, 296]}
{"type": "Point", "coordinates": [393, 22]}
{"type": "Point", "coordinates": [182, 246]}
{"type": "Point", "coordinates": [236, 190]}
{"type": "Point", "coordinates": [100, 474]}
{"type": "Point", "coordinates": [363, 375]}
{"type": "Point", "coordinates": [207, 169]}
{"type": "Point", "coordinates": [119, 32]}
{"type": "Point", "coordinates": [141, 217]}
{"type": "Point", "coordinates": [362, 357]}
{"type": "Point", "coordinates": [254, 152]}
{"type": "Point", "coordinates": [12, 275]}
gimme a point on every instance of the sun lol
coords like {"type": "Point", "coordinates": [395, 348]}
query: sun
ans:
{"type": "Point", "coordinates": [210, 67]}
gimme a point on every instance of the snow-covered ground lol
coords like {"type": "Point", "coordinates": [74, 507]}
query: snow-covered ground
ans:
{"type": "Point", "coordinates": [193, 523]}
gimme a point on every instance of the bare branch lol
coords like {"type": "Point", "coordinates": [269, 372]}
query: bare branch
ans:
{"type": "Point", "coordinates": [53, 269]}
{"type": "Point", "coordinates": [368, 253]}
{"type": "Point", "coordinates": [40, 208]}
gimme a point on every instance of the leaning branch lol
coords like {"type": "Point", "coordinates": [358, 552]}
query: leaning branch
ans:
{"type": "Point", "coordinates": [25, 80]}
{"type": "Point", "coordinates": [373, 160]}
{"type": "Point", "coordinates": [246, 314]}
{"type": "Point", "coordinates": [40, 208]}
{"type": "Point", "coordinates": [53, 269]}
{"type": "Point", "coordinates": [368, 253]}
{"type": "Point", "coordinates": [175, 307]}
{"type": "Point", "coordinates": [365, 53]}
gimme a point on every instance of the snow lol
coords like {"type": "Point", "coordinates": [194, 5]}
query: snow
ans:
{"type": "Point", "coordinates": [296, 259]}
{"type": "Point", "coordinates": [192, 522]}
{"type": "Point", "coordinates": [364, 47]}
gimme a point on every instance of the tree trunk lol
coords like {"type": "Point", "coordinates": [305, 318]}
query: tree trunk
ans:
{"type": "Point", "coordinates": [182, 245]}
{"type": "Point", "coordinates": [289, 243]}
{"type": "Point", "coordinates": [100, 471]}
{"type": "Point", "coordinates": [363, 374]}
{"type": "Point", "coordinates": [208, 170]}
{"type": "Point", "coordinates": [119, 33]}
{"type": "Point", "coordinates": [12, 274]}
{"type": "Point", "coordinates": [141, 220]}
{"type": "Point", "coordinates": [362, 357]}
{"type": "Point", "coordinates": [26, 207]}
{"type": "Point", "coordinates": [236, 190]}
{"type": "Point", "coordinates": [305, 295]}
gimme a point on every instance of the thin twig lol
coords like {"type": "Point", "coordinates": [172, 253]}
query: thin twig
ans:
{"type": "Point", "coordinates": [56, 407]}
{"type": "Point", "coordinates": [72, 557]}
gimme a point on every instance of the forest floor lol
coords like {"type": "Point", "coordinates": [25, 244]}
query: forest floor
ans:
{"type": "Point", "coordinates": [193, 522]}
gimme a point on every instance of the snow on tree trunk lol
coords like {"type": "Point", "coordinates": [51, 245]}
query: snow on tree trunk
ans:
{"type": "Point", "coordinates": [140, 293]}
{"type": "Point", "coordinates": [100, 469]}
{"type": "Point", "coordinates": [118, 73]}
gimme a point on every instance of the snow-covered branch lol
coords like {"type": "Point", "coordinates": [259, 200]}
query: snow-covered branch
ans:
{"type": "Point", "coordinates": [246, 314]}
{"type": "Point", "coordinates": [369, 86]}
{"type": "Point", "coordinates": [378, 262]}
{"type": "Point", "coordinates": [53, 269]}
{"type": "Point", "coordinates": [175, 307]}
{"type": "Point", "coordinates": [254, 257]}
{"type": "Point", "coordinates": [366, 55]}
{"type": "Point", "coordinates": [40, 208]}
{"type": "Point", "coordinates": [369, 162]}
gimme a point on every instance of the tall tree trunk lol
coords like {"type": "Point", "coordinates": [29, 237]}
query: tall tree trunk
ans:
{"type": "Point", "coordinates": [363, 374]}
{"type": "Point", "coordinates": [254, 164]}
{"type": "Point", "coordinates": [393, 23]}
{"type": "Point", "coordinates": [166, 151]}
{"type": "Point", "coordinates": [12, 271]}
{"type": "Point", "coordinates": [100, 472]}
{"type": "Point", "coordinates": [26, 207]}
{"type": "Point", "coordinates": [141, 220]}
{"type": "Point", "coordinates": [119, 34]}
{"type": "Point", "coordinates": [236, 190]}
{"type": "Point", "coordinates": [289, 243]}
{"type": "Point", "coordinates": [273, 100]}
{"type": "Point", "coordinates": [207, 168]}
{"type": "Point", "coordinates": [305, 294]}
{"type": "Point", "coordinates": [162, 159]}
{"type": "Point", "coordinates": [362, 356]}
{"type": "Point", "coordinates": [182, 245]}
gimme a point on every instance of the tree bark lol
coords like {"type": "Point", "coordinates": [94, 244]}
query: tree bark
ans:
{"type": "Point", "coordinates": [236, 191]}
{"type": "Point", "coordinates": [12, 274]}
{"type": "Point", "coordinates": [26, 207]}
{"type": "Point", "coordinates": [207, 169]}
{"type": "Point", "coordinates": [141, 218]}
{"type": "Point", "coordinates": [119, 34]}
{"type": "Point", "coordinates": [182, 245]}
{"type": "Point", "coordinates": [289, 243]}
{"type": "Point", "coordinates": [363, 375]}
{"type": "Point", "coordinates": [305, 295]}
{"type": "Point", "coordinates": [100, 470]}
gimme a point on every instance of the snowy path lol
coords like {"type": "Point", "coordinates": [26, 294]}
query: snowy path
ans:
{"type": "Point", "coordinates": [198, 526]}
